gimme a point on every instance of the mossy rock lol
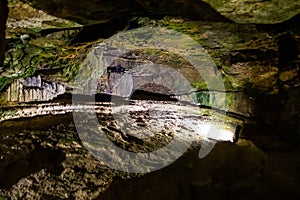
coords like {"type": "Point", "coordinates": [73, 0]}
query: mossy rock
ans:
{"type": "Point", "coordinates": [258, 12]}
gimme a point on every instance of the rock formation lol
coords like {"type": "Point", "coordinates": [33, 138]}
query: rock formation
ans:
{"type": "Point", "coordinates": [258, 12]}
{"type": "Point", "coordinates": [243, 11]}
{"type": "Point", "coordinates": [86, 12]}
{"type": "Point", "coordinates": [32, 89]}
{"type": "Point", "coordinates": [42, 157]}
{"type": "Point", "coordinates": [3, 17]}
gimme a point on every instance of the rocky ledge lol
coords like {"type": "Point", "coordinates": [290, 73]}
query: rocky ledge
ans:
{"type": "Point", "coordinates": [244, 11]}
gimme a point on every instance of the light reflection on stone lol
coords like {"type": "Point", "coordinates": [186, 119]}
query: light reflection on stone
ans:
{"type": "Point", "coordinates": [33, 89]}
{"type": "Point", "coordinates": [190, 120]}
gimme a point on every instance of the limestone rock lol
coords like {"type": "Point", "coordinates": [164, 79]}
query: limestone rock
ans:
{"type": "Point", "coordinates": [244, 11]}
{"type": "Point", "coordinates": [33, 89]}
{"type": "Point", "coordinates": [258, 11]}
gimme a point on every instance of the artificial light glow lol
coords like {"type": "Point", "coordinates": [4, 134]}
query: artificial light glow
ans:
{"type": "Point", "coordinates": [214, 132]}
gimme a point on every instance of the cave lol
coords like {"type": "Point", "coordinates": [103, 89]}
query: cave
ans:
{"type": "Point", "coordinates": [149, 99]}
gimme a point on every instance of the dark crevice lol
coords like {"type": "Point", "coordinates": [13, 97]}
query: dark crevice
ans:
{"type": "Point", "coordinates": [288, 51]}
{"type": "Point", "coordinates": [292, 24]}
{"type": "Point", "coordinates": [251, 55]}
{"type": "Point", "coordinates": [93, 32]}
{"type": "Point", "coordinates": [145, 95]}
{"type": "Point", "coordinates": [187, 11]}
{"type": "Point", "coordinates": [137, 95]}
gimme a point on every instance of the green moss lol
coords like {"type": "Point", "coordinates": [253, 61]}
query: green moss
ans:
{"type": "Point", "coordinates": [200, 85]}
{"type": "Point", "coordinates": [23, 60]}
{"type": "Point", "coordinates": [231, 83]}
{"type": "Point", "coordinates": [203, 98]}
{"type": "Point", "coordinates": [256, 12]}
{"type": "Point", "coordinates": [19, 63]}
{"type": "Point", "coordinates": [231, 100]}
{"type": "Point", "coordinates": [4, 81]}
{"type": "Point", "coordinates": [192, 28]}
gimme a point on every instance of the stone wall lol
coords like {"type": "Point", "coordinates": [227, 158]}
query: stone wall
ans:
{"type": "Point", "coordinates": [32, 89]}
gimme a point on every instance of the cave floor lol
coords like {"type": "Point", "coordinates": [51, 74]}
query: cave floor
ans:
{"type": "Point", "coordinates": [43, 158]}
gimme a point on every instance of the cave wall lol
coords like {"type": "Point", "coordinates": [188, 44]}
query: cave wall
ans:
{"type": "Point", "coordinates": [3, 18]}
{"type": "Point", "coordinates": [261, 61]}
{"type": "Point", "coordinates": [242, 11]}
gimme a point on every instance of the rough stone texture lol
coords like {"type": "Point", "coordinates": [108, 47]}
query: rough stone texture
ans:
{"type": "Point", "coordinates": [3, 17]}
{"type": "Point", "coordinates": [100, 10]}
{"type": "Point", "coordinates": [261, 61]}
{"type": "Point", "coordinates": [87, 11]}
{"type": "Point", "coordinates": [249, 60]}
{"type": "Point", "coordinates": [26, 23]}
{"type": "Point", "coordinates": [258, 12]}
{"type": "Point", "coordinates": [237, 172]}
{"type": "Point", "coordinates": [33, 89]}
{"type": "Point", "coordinates": [58, 157]}
{"type": "Point", "coordinates": [245, 11]}
{"type": "Point", "coordinates": [192, 8]}
{"type": "Point", "coordinates": [56, 165]}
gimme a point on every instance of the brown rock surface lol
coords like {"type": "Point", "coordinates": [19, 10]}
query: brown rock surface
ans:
{"type": "Point", "coordinates": [3, 17]}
